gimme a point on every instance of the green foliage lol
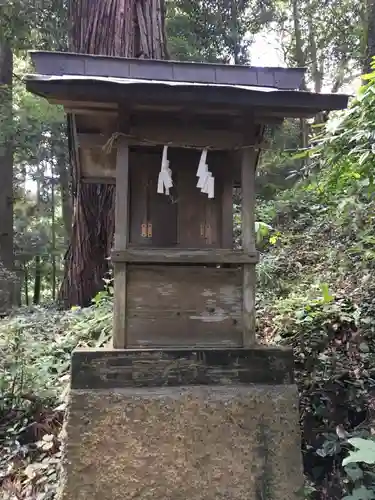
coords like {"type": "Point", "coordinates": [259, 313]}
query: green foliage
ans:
{"type": "Point", "coordinates": [42, 23]}
{"type": "Point", "coordinates": [323, 304]}
{"type": "Point", "coordinates": [40, 152]}
{"type": "Point", "coordinates": [333, 347]}
{"type": "Point", "coordinates": [365, 452]}
{"type": "Point", "coordinates": [360, 476]}
{"type": "Point", "coordinates": [39, 126]}
{"type": "Point", "coordinates": [36, 346]}
{"type": "Point", "coordinates": [326, 37]}
{"type": "Point", "coordinates": [345, 151]}
{"type": "Point", "coordinates": [213, 31]}
{"type": "Point", "coordinates": [277, 161]}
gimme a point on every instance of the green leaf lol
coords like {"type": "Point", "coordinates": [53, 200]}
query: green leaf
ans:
{"type": "Point", "coordinates": [354, 472]}
{"type": "Point", "coordinates": [301, 154]}
{"type": "Point", "coordinates": [273, 239]}
{"type": "Point", "coordinates": [365, 452]}
{"type": "Point", "coordinates": [363, 157]}
{"type": "Point", "coordinates": [327, 297]}
{"type": "Point", "coordinates": [361, 493]}
{"type": "Point", "coordinates": [368, 76]}
{"type": "Point", "coordinates": [363, 347]}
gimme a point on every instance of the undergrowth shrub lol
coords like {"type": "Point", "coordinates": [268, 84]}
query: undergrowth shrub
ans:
{"type": "Point", "coordinates": [334, 348]}
{"type": "Point", "coordinates": [36, 346]}
{"type": "Point", "coordinates": [324, 307]}
{"type": "Point", "coordinates": [8, 284]}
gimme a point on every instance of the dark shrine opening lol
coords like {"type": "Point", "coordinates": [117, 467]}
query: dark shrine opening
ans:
{"type": "Point", "coordinates": [186, 217]}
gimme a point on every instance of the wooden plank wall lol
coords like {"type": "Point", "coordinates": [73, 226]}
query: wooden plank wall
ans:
{"type": "Point", "coordinates": [184, 306]}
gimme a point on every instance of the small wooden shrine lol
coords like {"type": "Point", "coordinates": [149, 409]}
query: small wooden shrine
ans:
{"type": "Point", "coordinates": [175, 138]}
{"type": "Point", "coordinates": [186, 405]}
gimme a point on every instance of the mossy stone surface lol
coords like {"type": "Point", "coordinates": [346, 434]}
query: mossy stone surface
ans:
{"type": "Point", "coordinates": [234, 442]}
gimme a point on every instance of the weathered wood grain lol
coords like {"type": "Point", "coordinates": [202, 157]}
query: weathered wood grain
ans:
{"type": "Point", "coordinates": [248, 164]}
{"type": "Point", "coordinates": [179, 255]}
{"type": "Point", "coordinates": [227, 206]}
{"type": "Point", "coordinates": [121, 242]}
{"type": "Point", "coordinates": [147, 206]}
{"type": "Point", "coordinates": [177, 219]}
{"type": "Point", "coordinates": [183, 306]}
{"type": "Point", "coordinates": [95, 163]}
{"type": "Point", "coordinates": [92, 368]}
{"type": "Point", "coordinates": [176, 136]}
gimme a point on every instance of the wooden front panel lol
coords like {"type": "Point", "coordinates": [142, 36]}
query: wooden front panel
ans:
{"type": "Point", "coordinates": [149, 207]}
{"type": "Point", "coordinates": [199, 217]}
{"type": "Point", "coordinates": [188, 218]}
{"type": "Point", "coordinates": [97, 164]}
{"type": "Point", "coordinates": [184, 306]}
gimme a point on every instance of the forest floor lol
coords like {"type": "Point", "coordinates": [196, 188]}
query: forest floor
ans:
{"type": "Point", "coordinates": [314, 293]}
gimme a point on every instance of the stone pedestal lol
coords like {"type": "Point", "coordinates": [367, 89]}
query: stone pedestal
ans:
{"type": "Point", "coordinates": [189, 425]}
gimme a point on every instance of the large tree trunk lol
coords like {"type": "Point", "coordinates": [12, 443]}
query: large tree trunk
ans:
{"type": "Point", "coordinates": [128, 28]}
{"type": "Point", "coordinates": [6, 169]}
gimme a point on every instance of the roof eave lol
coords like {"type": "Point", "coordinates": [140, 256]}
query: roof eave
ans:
{"type": "Point", "coordinates": [284, 103]}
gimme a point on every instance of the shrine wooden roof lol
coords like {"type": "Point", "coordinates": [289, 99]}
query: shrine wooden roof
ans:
{"type": "Point", "coordinates": [64, 63]}
{"type": "Point", "coordinates": [66, 77]}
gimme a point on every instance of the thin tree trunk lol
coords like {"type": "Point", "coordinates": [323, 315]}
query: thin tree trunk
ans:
{"type": "Point", "coordinates": [369, 35]}
{"type": "Point", "coordinates": [37, 280]}
{"type": "Point", "coordinates": [236, 48]}
{"type": "Point", "coordinates": [301, 62]}
{"type": "Point", "coordinates": [128, 28]}
{"type": "Point", "coordinates": [18, 286]}
{"type": "Point", "coordinates": [38, 270]}
{"type": "Point", "coordinates": [53, 231]}
{"type": "Point", "coordinates": [298, 50]}
{"type": "Point", "coordinates": [66, 198]}
{"type": "Point", "coordinates": [340, 74]}
{"type": "Point", "coordinates": [26, 284]}
{"type": "Point", "coordinates": [6, 167]}
{"type": "Point", "coordinates": [315, 72]}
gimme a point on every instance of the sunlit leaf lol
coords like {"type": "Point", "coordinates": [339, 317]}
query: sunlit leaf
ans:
{"type": "Point", "coordinates": [365, 451]}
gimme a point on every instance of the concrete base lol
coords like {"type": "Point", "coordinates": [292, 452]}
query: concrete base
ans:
{"type": "Point", "coordinates": [198, 442]}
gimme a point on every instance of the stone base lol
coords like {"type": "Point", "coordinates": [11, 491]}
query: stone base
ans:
{"type": "Point", "coordinates": [228, 441]}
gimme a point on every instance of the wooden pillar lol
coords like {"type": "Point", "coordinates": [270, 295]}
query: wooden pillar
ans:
{"type": "Point", "coordinates": [227, 212]}
{"type": "Point", "coordinates": [248, 164]}
{"type": "Point", "coordinates": [121, 243]}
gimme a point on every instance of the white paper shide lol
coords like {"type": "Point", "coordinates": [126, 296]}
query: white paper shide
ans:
{"type": "Point", "coordinates": [206, 181]}
{"type": "Point", "coordinates": [165, 181]}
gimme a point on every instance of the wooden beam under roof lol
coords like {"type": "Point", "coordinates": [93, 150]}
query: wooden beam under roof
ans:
{"type": "Point", "coordinates": [84, 104]}
{"type": "Point", "coordinates": [234, 99]}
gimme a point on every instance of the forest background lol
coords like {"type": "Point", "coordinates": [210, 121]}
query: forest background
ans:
{"type": "Point", "coordinates": [315, 229]}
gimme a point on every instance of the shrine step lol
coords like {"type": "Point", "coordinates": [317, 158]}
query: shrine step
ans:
{"type": "Point", "coordinates": [169, 437]}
